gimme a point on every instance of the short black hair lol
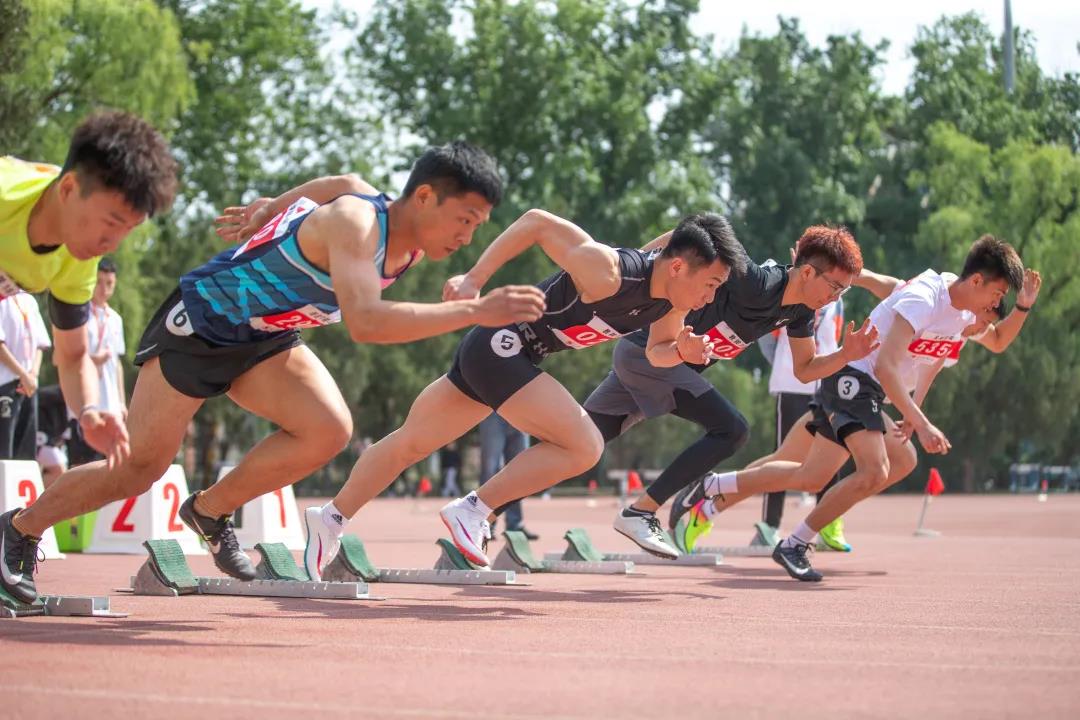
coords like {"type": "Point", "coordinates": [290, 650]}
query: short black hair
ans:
{"type": "Point", "coordinates": [122, 152]}
{"type": "Point", "coordinates": [703, 239]}
{"type": "Point", "coordinates": [106, 265]}
{"type": "Point", "coordinates": [455, 169]}
{"type": "Point", "coordinates": [995, 260]}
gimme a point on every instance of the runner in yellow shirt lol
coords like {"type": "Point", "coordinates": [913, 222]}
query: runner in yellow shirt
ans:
{"type": "Point", "coordinates": [56, 222]}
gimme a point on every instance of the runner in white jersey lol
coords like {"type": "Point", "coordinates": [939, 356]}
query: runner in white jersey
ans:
{"type": "Point", "coordinates": [992, 329]}
{"type": "Point", "coordinates": [920, 324]}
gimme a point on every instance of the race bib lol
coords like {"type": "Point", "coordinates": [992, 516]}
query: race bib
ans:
{"type": "Point", "coordinates": [308, 316]}
{"type": "Point", "coordinates": [726, 344]}
{"type": "Point", "coordinates": [583, 336]}
{"type": "Point", "coordinates": [177, 321]}
{"type": "Point", "coordinates": [930, 347]}
{"type": "Point", "coordinates": [278, 226]}
{"type": "Point", "coordinates": [8, 287]}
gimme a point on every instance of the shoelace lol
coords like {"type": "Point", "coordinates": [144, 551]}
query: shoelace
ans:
{"type": "Point", "coordinates": [802, 550]}
{"type": "Point", "coordinates": [485, 534]}
{"type": "Point", "coordinates": [222, 534]}
{"type": "Point", "coordinates": [28, 552]}
{"type": "Point", "coordinates": [654, 525]}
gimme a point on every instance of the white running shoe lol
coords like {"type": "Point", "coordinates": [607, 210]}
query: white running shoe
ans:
{"type": "Point", "coordinates": [469, 529]}
{"type": "Point", "coordinates": [322, 545]}
{"type": "Point", "coordinates": [645, 531]}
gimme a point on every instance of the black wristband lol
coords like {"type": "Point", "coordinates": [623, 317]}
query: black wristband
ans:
{"type": "Point", "coordinates": [1021, 308]}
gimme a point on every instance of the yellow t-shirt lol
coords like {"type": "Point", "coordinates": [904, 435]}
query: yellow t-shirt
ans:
{"type": "Point", "coordinates": [69, 280]}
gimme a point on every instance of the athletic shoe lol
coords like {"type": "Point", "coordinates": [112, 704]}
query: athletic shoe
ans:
{"type": "Point", "coordinates": [687, 498]}
{"type": "Point", "coordinates": [323, 542]}
{"type": "Point", "coordinates": [644, 529]}
{"type": "Point", "coordinates": [794, 560]}
{"type": "Point", "coordinates": [692, 527]}
{"type": "Point", "coordinates": [18, 560]}
{"type": "Point", "coordinates": [832, 537]}
{"type": "Point", "coordinates": [469, 529]}
{"type": "Point", "coordinates": [220, 538]}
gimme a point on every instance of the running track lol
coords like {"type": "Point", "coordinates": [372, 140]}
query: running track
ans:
{"type": "Point", "coordinates": [982, 622]}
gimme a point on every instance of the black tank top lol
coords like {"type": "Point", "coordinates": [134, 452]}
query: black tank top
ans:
{"type": "Point", "coordinates": [570, 323]}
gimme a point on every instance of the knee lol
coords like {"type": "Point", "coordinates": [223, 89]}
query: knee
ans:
{"type": "Point", "coordinates": [330, 435]}
{"type": "Point", "coordinates": [407, 447]}
{"type": "Point", "coordinates": [139, 472]}
{"type": "Point", "coordinates": [734, 428]}
{"type": "Point", "coordinates": [871, 478]}
{"type": "Point", "coordinates": [586, 449]}
{"type": "Point", "coordinates": [903, 465]}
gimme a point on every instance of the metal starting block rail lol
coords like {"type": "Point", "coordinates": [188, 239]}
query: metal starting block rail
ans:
{"type": "Point", "coordinates": [579, 547]}
{"type": "Point", "coordinates": [57, 606]}
{"type": "Point", "coordinates": [517, 555]}
{"type": "Point", "coordinates": [761, 545]}
{"type": "Point", "coordinates": [352, 564]}
{"type": "Point", "coordinates": [167, 573]}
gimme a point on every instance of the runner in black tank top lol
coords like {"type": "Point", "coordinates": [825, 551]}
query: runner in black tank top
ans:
{"type": "Point", "coordinates": [600, 294]}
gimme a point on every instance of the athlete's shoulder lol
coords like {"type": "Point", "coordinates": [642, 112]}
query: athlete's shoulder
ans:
{"type": "Point", "coordinates": [350, 219]}
{"type": "Point", "coordinates": [635, 264]}
{"type": "Point", "coordinates": [18, 178]}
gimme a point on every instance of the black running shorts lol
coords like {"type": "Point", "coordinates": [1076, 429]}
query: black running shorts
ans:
{"type": "Point", "coordinates": [196, 367]}
{"type": "Point", "coordinates": [491, 364]}
{"type": "Point", "coordinates": [847, 401]}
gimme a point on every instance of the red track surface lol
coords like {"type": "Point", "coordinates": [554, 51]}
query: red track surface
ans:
{"type": "Point", "coordinates": [981, 622]}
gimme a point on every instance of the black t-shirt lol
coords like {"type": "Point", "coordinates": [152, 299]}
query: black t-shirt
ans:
{"type": "Point", "coordinates": [570, 323]}
{"type": "Point", "coordinates": [745, 308]}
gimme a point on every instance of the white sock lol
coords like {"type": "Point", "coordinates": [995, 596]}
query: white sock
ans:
{"type": "Point", "coordinates": [801, 535]}
{"type": "Point", "coordinates": [709, 510]}
{"type": "Point", "coordinates": [720, 483]}
{"type": "Point", "coordinates": [473, 501]}
{"type": "Point", "coordinates": [333, 518]}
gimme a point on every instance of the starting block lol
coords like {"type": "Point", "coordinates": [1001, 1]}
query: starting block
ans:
{"type": "Point", "coordinates": [57, 606]}
{"type": "Point", "coordinates": [579, 547]}
{"type": "Point", "coordinates": [352, 564]}
{"type": "Point", "coordinates": [761, 545]}
{"type": "Point", "coordinates": [516, 555]}
{"type": "Point", "coordinates": [167, 573]}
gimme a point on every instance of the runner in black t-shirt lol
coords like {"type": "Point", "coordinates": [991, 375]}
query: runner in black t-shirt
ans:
{"type": "Point", "coordinates": [601, 293]}
{"type": "Point", "coordinates": [750, 305]}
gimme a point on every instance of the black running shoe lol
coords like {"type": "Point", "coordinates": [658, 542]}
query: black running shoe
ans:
{"type": "Point", "coordinates": [794, 560]}
{"type": "Point", "coordinates": [18, 560]}
{"type": "Point", "coordinates": [220, 537]}
{"type": "Point", "coordinates": [687, 498]}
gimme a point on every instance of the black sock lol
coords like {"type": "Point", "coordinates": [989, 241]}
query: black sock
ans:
{"type": "Point", "coordinates": [634, 512]}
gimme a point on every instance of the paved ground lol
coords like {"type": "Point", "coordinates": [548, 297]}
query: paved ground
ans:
{"type": "Point", "coordinates": [981, 622]}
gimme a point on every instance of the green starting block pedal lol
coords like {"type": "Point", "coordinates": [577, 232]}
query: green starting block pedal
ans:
{"type": "Point", "coordinates": [579, 547]}
{"type": "Point", "coordinates": [517, 555]}
{"type": "Point", "coordinates": [352, 564]}
{"type": "Point", "coordinates": [750, 550]}
{"type": "Point", "coordinates": [167, 573]}
{"type": "Point", "coordinates": [57, 606]}
{"type": "Point", "coordinates": [278, 563]}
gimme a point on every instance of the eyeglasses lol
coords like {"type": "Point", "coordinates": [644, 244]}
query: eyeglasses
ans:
{"type": "Point", "coordinates": [837, 289]}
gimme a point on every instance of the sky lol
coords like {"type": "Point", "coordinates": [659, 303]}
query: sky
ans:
{"type": "Point", "coordinates": [1055, 24]}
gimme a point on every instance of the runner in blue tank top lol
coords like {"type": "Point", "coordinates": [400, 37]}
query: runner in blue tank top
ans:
{"type": "Point", "coordinates": [320, 253]}
{"type": "Point", "coordinates": [599, 294]}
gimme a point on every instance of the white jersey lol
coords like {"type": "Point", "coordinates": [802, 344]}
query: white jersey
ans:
{"type": "Point", "coordinates": [105, 333]}
{"type": "Point", "coordinates": [925, 304]}
{"type": "Point", "coordinates": [829, 327]}
{"type": "Point", "coordinates": [22, 331]}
